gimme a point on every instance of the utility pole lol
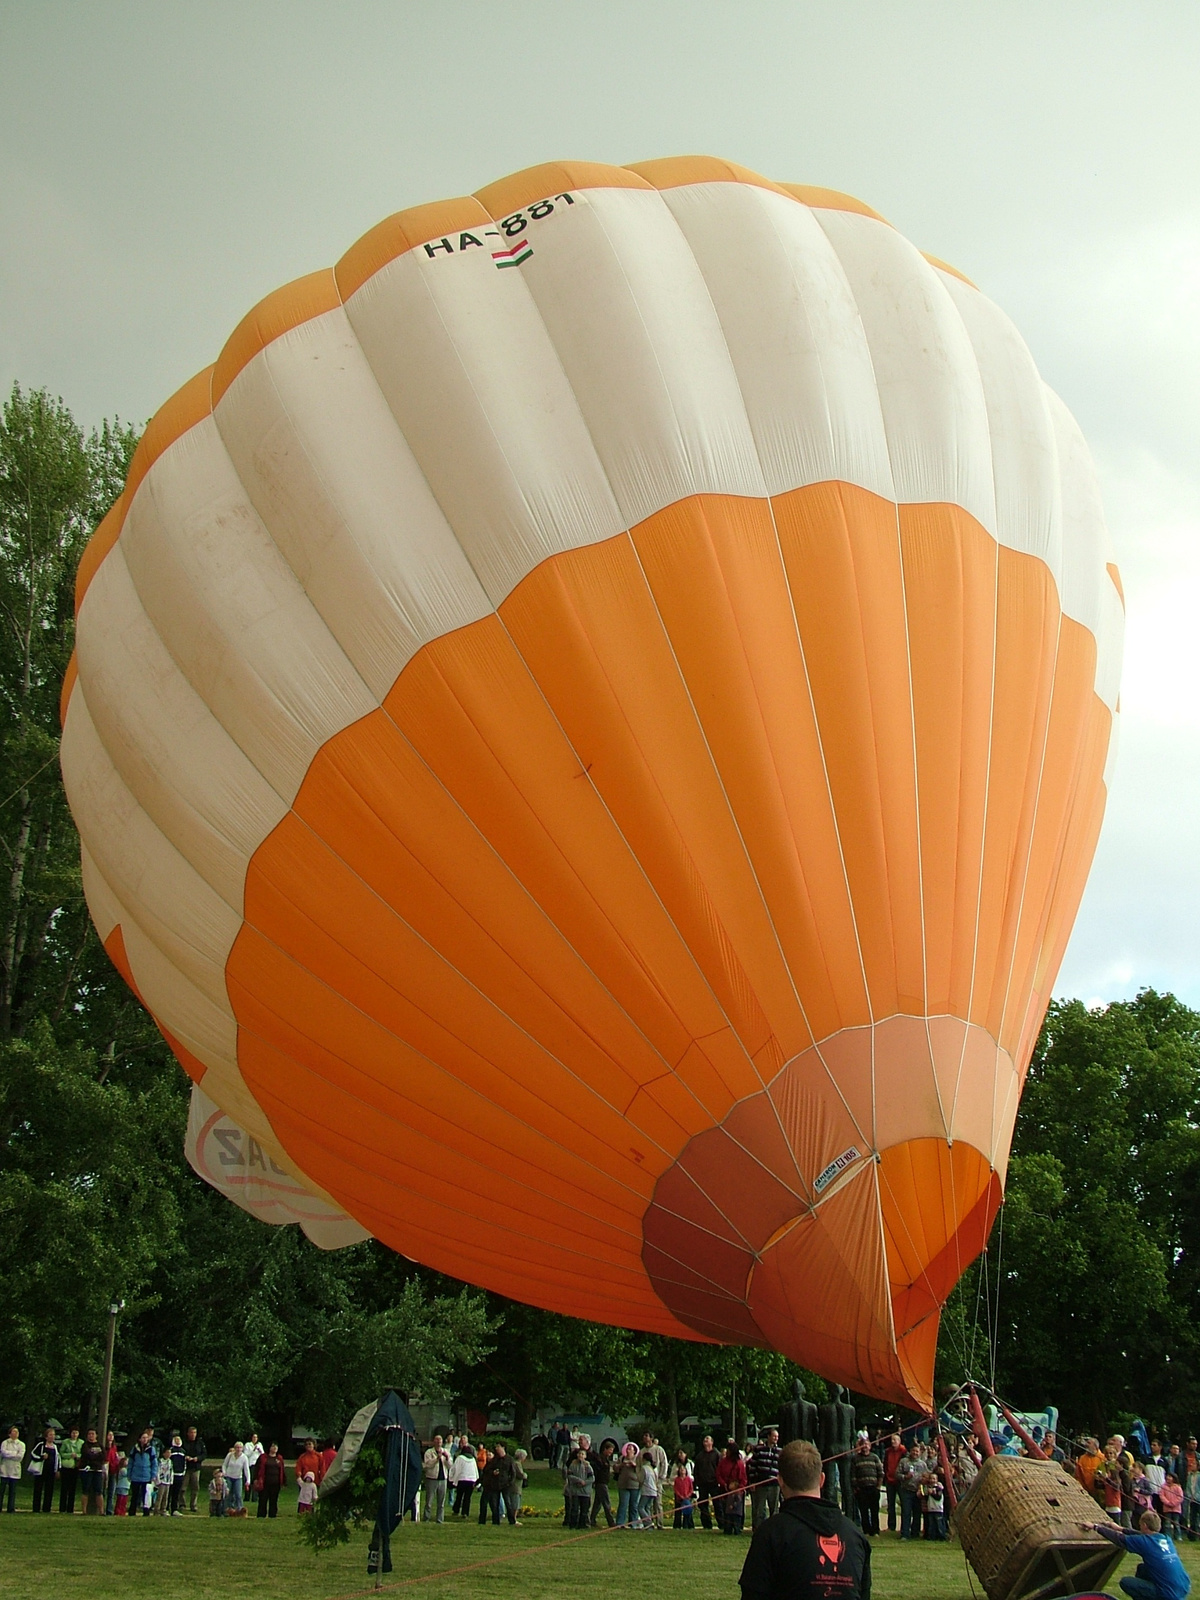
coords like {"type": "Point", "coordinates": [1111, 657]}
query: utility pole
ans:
{"type": "Point", "coordinates": [110, 1339]}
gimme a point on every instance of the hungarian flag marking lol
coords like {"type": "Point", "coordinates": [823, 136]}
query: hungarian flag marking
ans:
{"type": "Point", "coordinates": [513, 257]}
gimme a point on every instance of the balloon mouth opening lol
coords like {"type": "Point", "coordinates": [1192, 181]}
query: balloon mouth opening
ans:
{"type": "Point", "coordinates": [844, 1271]}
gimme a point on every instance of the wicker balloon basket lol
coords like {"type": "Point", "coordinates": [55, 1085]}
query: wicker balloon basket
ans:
{"type": "Point", "coordinates": [1021, 1526]}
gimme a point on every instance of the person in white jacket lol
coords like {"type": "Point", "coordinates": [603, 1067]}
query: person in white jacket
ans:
{"type": "Point", "coordinates": [236, 1472]}
{"type": "Point", "coordinates": [252, 1451]}
{"type": "Point", "coordinates": [12, 1454]}
{"type": "Point", "coordinates": [464, 1475]}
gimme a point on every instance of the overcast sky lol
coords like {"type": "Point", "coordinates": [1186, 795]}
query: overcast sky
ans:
{"type": "Point", "coordinates": [164, 165]}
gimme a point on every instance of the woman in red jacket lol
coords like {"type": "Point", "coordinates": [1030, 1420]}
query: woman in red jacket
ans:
{"type": "Point", "coordinates": [731, 1485]}
{"type": "Point", "coordinates": [268, 1480]}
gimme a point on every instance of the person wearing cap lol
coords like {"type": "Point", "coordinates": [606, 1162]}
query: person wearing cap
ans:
{"type": "Point", "coordinates": [762, 1475]}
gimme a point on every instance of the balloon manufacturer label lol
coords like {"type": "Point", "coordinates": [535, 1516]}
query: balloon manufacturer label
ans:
{"type": "Point", "coordinates": [838, 1164]}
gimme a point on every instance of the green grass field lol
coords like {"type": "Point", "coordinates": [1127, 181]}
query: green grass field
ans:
{"type": "Point", "coordinates": [112, 1558]}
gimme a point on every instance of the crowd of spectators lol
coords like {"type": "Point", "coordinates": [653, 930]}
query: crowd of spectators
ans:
{"type": "Point", "coordinates": [632, 1486]}
{"type": "Point", "coordinates": [155, 1474]}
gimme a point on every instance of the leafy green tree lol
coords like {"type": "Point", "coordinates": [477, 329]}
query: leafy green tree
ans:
{"type": "Point", "coordinates": [1091, 1283]}
{"type": "Point", "coordinates": [542, 1360]}
{"type": "Point", "coordinates": [226, 1319]}
{"type": "Point", "coordinates": [84, 1106]}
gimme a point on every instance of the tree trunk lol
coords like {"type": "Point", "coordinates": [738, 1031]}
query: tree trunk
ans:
{"type": "Point", "coordinates": [671, 1417]}
{"type": "Point", "coordinates": [8, 947]}
{"type": "Point", "coordinates": [523, 1421]}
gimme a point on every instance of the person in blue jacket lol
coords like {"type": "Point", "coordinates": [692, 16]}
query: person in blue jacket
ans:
{"type": "Point", "coordinates": [1160, 1574]}
{"type": "Point", "coordinates": [143, 1469]}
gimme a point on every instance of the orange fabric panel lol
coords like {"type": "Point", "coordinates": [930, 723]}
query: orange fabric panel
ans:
{"type": "Point", "coordinates": [191, 1064]}
{"type": "Point", "coordinates": [399, 1101]}
{"type": "Point", "coordinates": [674, 172]}
{"type": "Point", "coordinates": [587, 626]}
{"type": "Point", "coordinates": [598, 911]}
{"type": "Point", "coordinates": [829, 200]}
{"type": "Point", "coordinates": [69, 679]}
{"type": "Point", "coordinates": [842, 549]}
{"type": "Point", "coordinates": [446, 1209]}
{"type": "Point", "coordinates": [416, 1020]}
{"type": "Point", "coordinates": [950, 579]}
{"type": "Point", "coordinates": [1070, 876]}
{"type": "Point", "coordinates": [938, 1202]}
{"type": "Point", "coordinates": [718, 583]}
{"type": "Point", "coordinates": [1064, 773]}
{"type": "Point", "coordinates": [820, 1294]}
{"type": "Point", "coordinates": [114, 949]}
{"type": "Point", "coordinates": [1115, 575]}
{"type": "Point", "coordinates": [403, 231]}
{"type": "Point", "coordinates": [1027, 646]}
{"type": "Point", "coordinates": [97, 547]}
{"type": "Point", "coordinates": [185, 408]}
{"type": "Point", "coordinates": [281, 311]}
{"type": "Point", "coordinates": [916, 1353]}
{"type": "Point", "coordinates": [491, 750]}
{"type": "Point", "coordinates": [506, 195]}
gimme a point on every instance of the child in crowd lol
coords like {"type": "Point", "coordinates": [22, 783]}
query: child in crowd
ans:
{"type": "Point", "coordinates": [1108, 1482]}
{"type": "Point", "coordinates": [121, 1507]}
{"type": "Point", "coordinates": [1143, 1493]}
{"type": "Point", "coordinates": [307, 1493]}
{"type": "Point", "coordinates": [933, 1505]}
{"type": "Point", "coordinates": [216, 1494]}
{"type": "Point", "coordinates": [684, 1490]}
{"type": "Point", "coordinates": [649, 1510]}
{"type": "Point", "coordinates": [163, 1479]}
{"type": "Point", "coordinates": [1170, 1498]}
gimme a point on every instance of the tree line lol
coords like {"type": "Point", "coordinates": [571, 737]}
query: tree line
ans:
{"type": "Point", "coordinates": [1086, 1297]}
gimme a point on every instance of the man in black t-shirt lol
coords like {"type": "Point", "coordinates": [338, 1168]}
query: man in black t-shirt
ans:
{"type": "Point", "coordinates": [809, 1551]}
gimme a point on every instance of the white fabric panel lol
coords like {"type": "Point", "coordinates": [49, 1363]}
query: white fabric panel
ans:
{"type": "Point", "coordinates": [185, 771]}
{"type": "Point", "coordinates": [233, 615]}
{"type": "Point", "coordinates": [793, 332]}
{"type": "Point", "coordinates": [142, 870]}
{"type": "Point", "coordinates": [1024, 452]}
{"type": "Point", "coordinates": [207, 1030]}
{"type": "Point", "coordinates": [333, 479]}
{"type": "Point", "coordinates": [634, 326]}
{"type": "Point", "coordinates": [1110, 757]}
{"type": "Point", "coordinates": [470, 375]}
{"type": "Point", "coordinates": [1088, 592]}
{"type": "Point", "coordinates": [253, 1175]}
{"type": "Point", "coordinates": [103, 905]}
{"type": "Point", "coordinates": [929, 387]}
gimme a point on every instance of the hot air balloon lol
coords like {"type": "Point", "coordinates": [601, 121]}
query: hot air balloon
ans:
{"type": "Point", "coordinates": [588, 731]}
